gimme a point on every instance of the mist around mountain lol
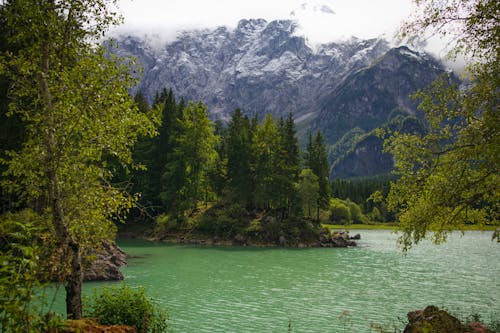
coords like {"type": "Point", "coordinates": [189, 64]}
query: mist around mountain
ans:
{"type": "Point", "coordinates": [344, 89]}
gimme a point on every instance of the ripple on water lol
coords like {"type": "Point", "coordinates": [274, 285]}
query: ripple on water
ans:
{"type": "Point", "coordinates": [316, 290]}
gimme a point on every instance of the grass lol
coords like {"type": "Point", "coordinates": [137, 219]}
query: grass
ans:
{"type": "Point", "coordinates": [379, 226]}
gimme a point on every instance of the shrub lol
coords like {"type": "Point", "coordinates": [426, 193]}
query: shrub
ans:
{"type": "Point", "coordinates": [123, 305]}
{"type": "Point", "coordinates": [20, 270]}
{"type": "Point", "coordinates": [357, 216]}
{"type": "Point", "coordinates": [339, 212]}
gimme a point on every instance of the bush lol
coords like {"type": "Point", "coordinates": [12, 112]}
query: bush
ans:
{"type": "Point", "coordinates": [20, 270]}
{"type": "Point", "coordinates": [122, 305]}
{"type": "Point", "coordinates": [339, 212]}
{"type": "Point", "coordinates": [357, 216]}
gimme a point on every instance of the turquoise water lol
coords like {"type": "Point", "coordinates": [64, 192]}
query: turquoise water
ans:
{"type": "Point", "coordinates": [227, 289]}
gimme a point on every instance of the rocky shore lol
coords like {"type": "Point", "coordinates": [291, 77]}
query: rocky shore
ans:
{"type": "Point", "coordinates": [109, 258]}
{"type": "Point", "coordinates": [325, 239]}
{"type": "Point", "coordinates": [433, 320]}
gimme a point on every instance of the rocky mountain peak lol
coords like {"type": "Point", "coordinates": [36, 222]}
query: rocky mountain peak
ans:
{"type": "Point", "coordinates": [266, 67]}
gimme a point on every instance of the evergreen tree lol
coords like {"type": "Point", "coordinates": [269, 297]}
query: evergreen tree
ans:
{"type": "Point", "coordinates": [218, 173]}
{"type": "Point", "coordinates": [317, 161]}
{"type": "Point", "coordinates": [265, 145]}
{"type": "Point", "coordinates": [140, 178]}
{"type": "Point", "coordinates": [287, 166]}
{"type": "Point", "coordinates": [193, 155]}
{"type": "Point", "coordinates": [162, 148]}
{"type": "Point", "coordinates": [239, 156]}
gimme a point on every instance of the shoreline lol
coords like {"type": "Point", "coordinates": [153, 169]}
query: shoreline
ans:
{"type": "Point", "coordinates": [394, 227]}
{"type": "Point", "coordinates": [336, 239]}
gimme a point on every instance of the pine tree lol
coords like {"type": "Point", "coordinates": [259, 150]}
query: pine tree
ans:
{"type": "Point", "coordinates": [265, 146]}
{"type": "Point", "coordinates": [287, 166]}
{"type": "Point", "coordinates": [239, 156]}
{"type": "Point", "coordinates": [192, 157]}
{"type": "Point", "coordinates": [317, 161]}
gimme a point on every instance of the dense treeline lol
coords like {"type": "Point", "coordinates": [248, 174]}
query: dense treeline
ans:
{"type": "Point", "coordinates": [360, 189]}
{"type": "Point", "coordinates": [194, 164]}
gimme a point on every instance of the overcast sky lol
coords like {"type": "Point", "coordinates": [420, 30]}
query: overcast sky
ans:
{"type": "Point", "coordinates": [320, 20]}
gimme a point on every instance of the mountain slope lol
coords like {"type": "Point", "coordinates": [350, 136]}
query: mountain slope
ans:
{"type": "Point", "coordinates": [374, 95]}
{"type": "Point", "coordinates": [261, 67]}
{"type": "Point", "coordinates": [264, 67]}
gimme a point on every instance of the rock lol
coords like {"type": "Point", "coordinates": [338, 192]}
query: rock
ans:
{"type": "Point", "coordinates": [341, 239]}
{"type": "Point", "coordinates": [477, 327]}
{"type": "Point", "coordinates": [432, 320]}
{"type": "Point", "coordinates": [239, 240]}
{"type": "Point", "coordinates": [106, 266]}
{"type": "Point", "coordinates": [197, 241]}
{"type": "Point", "coordinates": [357, 236]}
{"type": "Point", "coordinates": [282, 241]}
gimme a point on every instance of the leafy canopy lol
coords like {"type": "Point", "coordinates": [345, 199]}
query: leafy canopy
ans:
{"type": "Point", "coordinates": [73, 99]}
{"type": "Point", "coordinates": [450, 175]}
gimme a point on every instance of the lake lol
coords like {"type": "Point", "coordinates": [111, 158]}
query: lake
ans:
{"type": "Point", "coordinates": [237, 289]}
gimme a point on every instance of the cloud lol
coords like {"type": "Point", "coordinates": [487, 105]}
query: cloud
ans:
{"type": "Point", "coordinates": [320, 20]}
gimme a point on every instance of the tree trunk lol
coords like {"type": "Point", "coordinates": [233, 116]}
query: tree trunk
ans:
{"type": "Point", "coordinates": [75, 277]}
{"type": "Point", "coordinates": [74, 284]}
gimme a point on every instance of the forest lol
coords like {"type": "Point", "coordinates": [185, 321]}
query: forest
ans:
{"type": "Point", "coordinates": [226, 180]}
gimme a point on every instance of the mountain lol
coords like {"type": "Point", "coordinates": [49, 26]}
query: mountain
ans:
{"type": "Point", "coordinates": [265, 67]}
{"type": "Point", "coordinates": [372, 96]}
{"type": "Point", "coordinates": [360, 154]}
{"type": "Point", "coordinates": [261, 67]}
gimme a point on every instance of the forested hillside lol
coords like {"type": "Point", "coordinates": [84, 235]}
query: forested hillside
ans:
{"type": "Point", "coordinates": [264, 68]}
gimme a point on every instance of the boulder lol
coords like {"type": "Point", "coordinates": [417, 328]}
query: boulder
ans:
{"type": "Point", "coordinates": [432, 320]}
{"type": "Point", "coordinates": [106, 265]}
{"type": "Point", "coordinates": [282, 241]}
{"type": "Point", "coordinates": [239, 240]}
{"type": "Point", "coordinates": [357, 237]}
{"type": "Point", "coordinates": [342, 239]}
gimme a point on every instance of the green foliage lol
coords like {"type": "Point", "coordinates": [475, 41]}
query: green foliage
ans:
{"type": "Point", "coordinates": [123, 305]}
{"type": "Point", "coordinates": [224, 220]}
{"type": "Point", "coordinates": [193, 156]}
{"type": "Point", "coordinates": [473, 25]}
{"type": "Point", "coordinates": [308, 189]}
{"type": "Point", "coordinates": [266, 144]}
{"type": "Point", "coordinates": [316, 160]}
{"type": "Point", "coordinates": [449, 175]}
{"type": "Point", "coordinates": [359, 190]}
{"type": "Point", "coordinates": [345, 212]}
{"type": "Point", "coordinates": [239, 159]}
{"type": "Point", "coordinates": [380, 211]}
{"type": "Point", "coordinates": [73, 98]}
{"type": "Point", "coordinates": [339, 212]}
{"type": "Point", "coordinates": [20, 271]}
{"type": "Point", "coordinates": [357, 216]}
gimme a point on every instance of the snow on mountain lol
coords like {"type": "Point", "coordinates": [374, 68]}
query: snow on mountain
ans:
{"type": "Point", "coordinates": [266, 67]}
{"type": "Point", "coordinates": [259, 66]}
